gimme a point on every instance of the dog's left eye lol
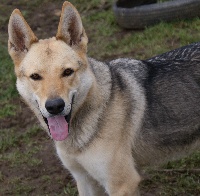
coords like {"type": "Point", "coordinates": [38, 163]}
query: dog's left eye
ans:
{"type": "Point", "coordinates": [67, 72]}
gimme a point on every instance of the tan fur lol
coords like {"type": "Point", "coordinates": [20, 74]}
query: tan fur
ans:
{"type": "Point", "coordinates": [101, 162]}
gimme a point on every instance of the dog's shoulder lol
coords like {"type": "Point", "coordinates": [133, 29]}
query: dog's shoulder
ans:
{"type": "Point", "coordinates": [128, 69]}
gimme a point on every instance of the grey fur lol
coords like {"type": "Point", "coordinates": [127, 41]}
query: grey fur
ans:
{"type": "Point", "coordinates": [170, 84]}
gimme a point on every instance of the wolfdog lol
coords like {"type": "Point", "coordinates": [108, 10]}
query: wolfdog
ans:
{"type": "Point", "coordinates": [107, 120]}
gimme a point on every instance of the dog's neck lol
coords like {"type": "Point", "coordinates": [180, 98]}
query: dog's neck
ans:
{"type": "Point", "coordinates": [86, 120]}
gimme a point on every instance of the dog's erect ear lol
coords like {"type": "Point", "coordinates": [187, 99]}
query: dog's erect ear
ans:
{"type": "Point", "coordinates": [70, 28]}
{"type": "Point", "coordinates": [20, 37]}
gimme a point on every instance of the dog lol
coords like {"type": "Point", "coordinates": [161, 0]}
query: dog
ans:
{"type": "Point", "coordinates": [107, 120]}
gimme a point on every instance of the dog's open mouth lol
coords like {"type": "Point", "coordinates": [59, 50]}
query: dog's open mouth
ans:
{"type": "Point", "coordinates": [58, 126]}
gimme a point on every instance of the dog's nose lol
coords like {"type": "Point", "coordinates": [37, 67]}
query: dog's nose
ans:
{"type": "Point", "coordinates": [55, 106]}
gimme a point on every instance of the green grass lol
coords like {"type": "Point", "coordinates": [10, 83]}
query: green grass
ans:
{"type": "Point", "coordinates": [20, 149]}
{"type": "Point", "coordinates": [19, 157]}
{"type": "Point", "coordinates": [175, 177]}
{"type": "Point", "coordinates": [144, 44]}
{"type": "Point", "coordinates": [9, 139]}
{"type": "Point", "coordinates": [70, 190]}
{"type": "Point", "coordinates": [11, 143]}
{"type": "Point", "coordinates": [19, 186]}
{"type": "Point", "coordinates": [7, 80]}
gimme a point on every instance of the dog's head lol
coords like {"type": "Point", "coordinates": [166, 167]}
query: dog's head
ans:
{"type": "Point", "coordinates": [51, 73]}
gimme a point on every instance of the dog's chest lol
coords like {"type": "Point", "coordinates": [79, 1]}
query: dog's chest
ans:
{"type": "Point", "coordinates": [93, 161]}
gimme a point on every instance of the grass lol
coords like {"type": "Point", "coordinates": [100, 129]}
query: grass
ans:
{"type": "Point", "coordinates": [175, 178]}
{"type": "Point", "coordinates": [70, 190]}
{"type": "Point", "coordinates": [143, 44]}
{"type": "Point", "coordinates": [8, 142]}
{"type": "Point", "coordinates": [22, 165]}
{"type": "Point", "coordinates": [13, 139]}
{"type": "Point", "coordinates": [7, 81]}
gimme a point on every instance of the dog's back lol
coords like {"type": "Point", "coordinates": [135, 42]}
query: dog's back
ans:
{"type": "Point", "coordinates": [170, 84]}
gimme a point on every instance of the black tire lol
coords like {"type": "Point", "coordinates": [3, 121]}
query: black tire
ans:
{"type": "Point", "coordinates": [133, 3]}
{"type": "Point", "coordinates": [140, 17]}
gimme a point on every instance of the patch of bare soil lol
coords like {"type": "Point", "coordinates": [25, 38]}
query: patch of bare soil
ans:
{"type": "Point", "coordinates": [49, 176]}
{"type": "Point", "coordinates": [42, 18]}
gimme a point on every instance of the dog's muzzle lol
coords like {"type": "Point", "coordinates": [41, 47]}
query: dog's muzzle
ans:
{"type": "Point", "coordinates": [57, 123]}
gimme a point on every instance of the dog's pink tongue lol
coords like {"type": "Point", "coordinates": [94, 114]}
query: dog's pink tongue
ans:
{"type": "Point", "coordinates": [58, 127]}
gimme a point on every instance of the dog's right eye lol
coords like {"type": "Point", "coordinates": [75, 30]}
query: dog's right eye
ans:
{"type": "Point", "coordinates": [35, 76]}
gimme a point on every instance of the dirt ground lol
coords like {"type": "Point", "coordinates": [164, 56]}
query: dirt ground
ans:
{"type": "Point", "coordinates": [50, 165]}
